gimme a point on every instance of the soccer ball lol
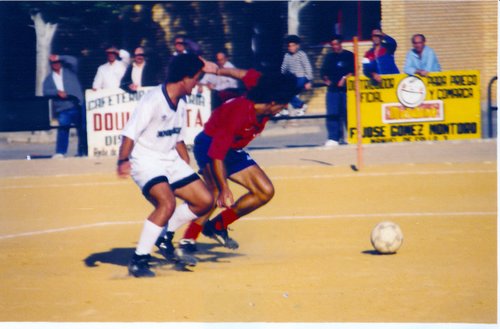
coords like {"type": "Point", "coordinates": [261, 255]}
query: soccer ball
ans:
{"type": "Point", "coordinates": [386, 237]}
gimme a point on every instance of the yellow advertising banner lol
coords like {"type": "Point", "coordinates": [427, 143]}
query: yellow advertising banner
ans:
{"type": "Point", "coordinates": [403, 108]}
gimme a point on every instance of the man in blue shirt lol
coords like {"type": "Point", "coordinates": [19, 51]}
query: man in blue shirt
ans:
{"type": "Point", "coordinates": [421, 59]}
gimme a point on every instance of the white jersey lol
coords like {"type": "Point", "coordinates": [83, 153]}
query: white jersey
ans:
{"type": "Point", "coordinates": [156, 125]}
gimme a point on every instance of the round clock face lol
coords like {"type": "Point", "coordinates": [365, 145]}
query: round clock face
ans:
{"type": "Point", "coordinates": [411, 91]}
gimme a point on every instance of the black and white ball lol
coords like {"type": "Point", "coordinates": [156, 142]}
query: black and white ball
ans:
{"type": "Point", "coordinates": [386, 237]}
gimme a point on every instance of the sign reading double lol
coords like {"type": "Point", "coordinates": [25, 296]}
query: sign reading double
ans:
{"type": "Point", "coordinates": [108, 110]}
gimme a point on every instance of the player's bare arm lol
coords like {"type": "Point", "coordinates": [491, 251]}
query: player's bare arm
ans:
{"type": "Point", "coordinates": [123, 164]}
{"type": "Point", "coordinates": [182, 150]}
{"type": "Point", "coordinates": [225, 197]}
{"type": "Point", "coordinates": [211, 67]}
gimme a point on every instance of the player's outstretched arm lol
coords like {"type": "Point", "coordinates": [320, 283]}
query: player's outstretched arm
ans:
{"type": "Point", "coordinates": [211, 67]}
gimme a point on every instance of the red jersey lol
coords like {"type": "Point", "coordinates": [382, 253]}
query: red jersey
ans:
{"type": "Point", "coordinates": [234, 124]}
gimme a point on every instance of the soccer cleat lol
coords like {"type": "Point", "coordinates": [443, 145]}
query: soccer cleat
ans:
{"type": "Point", "coordinates": [184, 253]}
{"type": "Point", "coordinates": [165, 245]}
{"type": "Point", "coordinates": [189, 245]}
{"type": "Point", "coordinates": [220, 236]}
{"type": "Point", "coordinates": [139, 266]}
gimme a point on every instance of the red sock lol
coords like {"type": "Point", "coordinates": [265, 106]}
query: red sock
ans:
{"type": "Point", "coordinates": [228, 216]}
{"type": "Point", "coordinates": [193, 231]}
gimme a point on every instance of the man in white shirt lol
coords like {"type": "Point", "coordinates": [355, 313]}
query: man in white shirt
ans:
{"type": "Point", "coordinates": [154, 154]}
{"type": "Point", "coordinates": [223, 87]}
{"type": "Point", "coordinates": [142, 73]}
{"type": "Point", "coordinates": [109, 75]}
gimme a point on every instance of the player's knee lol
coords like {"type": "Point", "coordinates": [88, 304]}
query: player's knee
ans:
{"type": "Point", "coordinates": [266, 193]}
{"type": "Point", "coordinates": [205, 204]}
{"type": "Point", "coordinates": [165, 209]}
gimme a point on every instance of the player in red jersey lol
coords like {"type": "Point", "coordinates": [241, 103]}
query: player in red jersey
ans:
{"type": "Point", "coordinates": [218, 150]}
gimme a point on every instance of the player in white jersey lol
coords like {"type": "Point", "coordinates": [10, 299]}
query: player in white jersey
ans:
{"type": "Point", "coordinates": [154, 154]}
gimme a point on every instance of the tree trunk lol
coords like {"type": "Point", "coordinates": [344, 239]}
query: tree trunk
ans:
{"type": "Point", "coordinates": [44, 35]}
{"type": "Point", "coordinates": [294, 8]}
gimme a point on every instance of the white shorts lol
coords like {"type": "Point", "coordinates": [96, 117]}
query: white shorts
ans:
{"type": "Point", "coordinates": [148, 171]}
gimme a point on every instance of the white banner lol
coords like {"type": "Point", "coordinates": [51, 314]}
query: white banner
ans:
{"type": "Point", "coordinates": [108, 110]}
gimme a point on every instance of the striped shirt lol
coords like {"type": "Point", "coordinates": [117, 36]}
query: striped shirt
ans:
{"type": "Point", "coordinates": [297, 64]}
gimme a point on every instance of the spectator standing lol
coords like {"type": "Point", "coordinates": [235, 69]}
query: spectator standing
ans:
{"type": "Point", "coordinates": [337, 67]}
{"type": "Point", "coordinates": [297, 63]}
{"type": "Point", "coordinates": [141, 73]}
{"type": "Point", "coordinates": [69, 104]}
{"type": "Point", "coordinates": [421, 59]}
{"type": "Point", "coordinates": [109, 75]}
{"type": "Point", "coordinates": [223, 87]}
{"type": "Point", "coordinates": [379, 59]}
{"type": "Point", "coordinates": [154, 153]}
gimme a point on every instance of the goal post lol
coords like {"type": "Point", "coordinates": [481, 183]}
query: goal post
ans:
{"type": "Point", "coordinates": [359, 148]}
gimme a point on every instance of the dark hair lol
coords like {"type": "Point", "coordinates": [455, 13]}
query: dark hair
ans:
{"type": "Point", "coordinates": [184, 65]}
{"type": "Point", "coordinates": [336, 37]}
{"type": "Point", "coordinates": [292, 39]}
{"type": "Point", "coordinates": [274, 87]}
{"type": "Point", "coordinates": [222, 51]}
{"type": "Point", "coordinates": [418, 35]}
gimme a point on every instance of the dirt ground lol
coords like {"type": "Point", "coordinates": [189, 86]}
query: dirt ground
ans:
{"type": "Point", "coordinates": [67, 233]}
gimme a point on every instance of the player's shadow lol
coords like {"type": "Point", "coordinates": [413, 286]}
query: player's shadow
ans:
{"type": "Point", "coordinates": [207, 252]}
{"type": "Point", "coordinates": [213, 252]}
{"type": "Point", "coordinates": [116, 256]}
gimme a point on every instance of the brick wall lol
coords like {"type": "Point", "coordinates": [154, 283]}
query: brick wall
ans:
{"type": "Point", "coordinates": [463, 34]}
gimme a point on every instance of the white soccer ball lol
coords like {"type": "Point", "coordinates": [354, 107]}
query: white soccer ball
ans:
{"type": "Point", "coordinates": [386, 237]}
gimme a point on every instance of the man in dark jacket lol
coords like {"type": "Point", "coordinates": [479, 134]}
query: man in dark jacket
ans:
{"type": "Point", "coordinates": [63, 84]}
{"type": "Point", "coordinates": [380, 58]}
{"type": "Point", "coordinates": [141, 73]}
{"type": "Point", "coordinates": [337, 67]}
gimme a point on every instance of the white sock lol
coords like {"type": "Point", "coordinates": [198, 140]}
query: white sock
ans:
{"type": "Point", "coordinates": [181, 216]}
{"type": "Point", "coordinates": [150, 232]}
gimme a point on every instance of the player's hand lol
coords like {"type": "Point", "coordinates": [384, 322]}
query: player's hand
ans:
{"type": "Point", "coordinates": [62, 94]}
{"type": "Point", "coordinates": [225, 198]}
{"type": "Point", "coordinates": [209, 67]}
{"type": "Point", "coordinates": [423, 73]}
{"type": "Point", "coordinates": [308, 86]}
{"type": "Point", "coordinates": [377, 77]}
{"type": "Point", "coordinates": [123, 169]}
{"type": "Point", "coordinates": [341, 82]}
{"type": "Point", "coordinates": [132, 87]}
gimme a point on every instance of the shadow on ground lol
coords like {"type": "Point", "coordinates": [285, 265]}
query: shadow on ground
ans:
{"type": "Point", "coordinates": [207, 252]}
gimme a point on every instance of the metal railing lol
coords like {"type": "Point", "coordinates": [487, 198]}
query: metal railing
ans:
{"type": "Point", "coordinates": [491, 108]}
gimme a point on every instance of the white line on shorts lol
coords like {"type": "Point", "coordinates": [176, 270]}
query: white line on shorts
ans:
{"type": "Point", "coordinates": [267, 218]}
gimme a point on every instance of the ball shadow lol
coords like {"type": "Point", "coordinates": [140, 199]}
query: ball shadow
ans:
{"type": "Point", "coordinates": [376, 253]}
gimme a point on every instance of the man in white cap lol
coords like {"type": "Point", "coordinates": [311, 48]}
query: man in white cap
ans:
{"type": "Point", "coordinates": [109, 75]}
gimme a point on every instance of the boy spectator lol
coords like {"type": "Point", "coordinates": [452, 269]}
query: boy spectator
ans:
{"type": "Point", "coordinates": [297, 63]}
